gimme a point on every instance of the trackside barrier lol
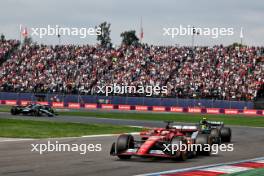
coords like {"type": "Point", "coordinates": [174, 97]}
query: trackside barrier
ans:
{"type": "Point", "coordinates": [159, 108]}
{"type": "Point", "coordinates": [107, 106]}
{"type": "Point", "coordinates": [10, 102]}
{"type": "Point", "coordinates": [195, 110]}
{"type": "Point", "coordinates": [43, 102]}
{"type": "Point", "coordinates": [231, 111]}
{"type": "Point", "coordinates": [74, 105]}
{"type": "Point", "coordinates": [212, 110]}
{"type": "Point", "coordinates": [176, 109]}
{"type": "Point", "coordinates": [141, 108]}
{"type": "Point", "coordinates": [252, 112]}
{"type": "Point", "coordinates": [124, 107]}
{"type": "Point", "coordinates": [57, 104]}
{"type": "Point", "coordinates": [24, 102]}
{"type": "Point", "coordinates": [90, 106]}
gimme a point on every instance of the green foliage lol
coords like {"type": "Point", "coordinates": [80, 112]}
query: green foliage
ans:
{"type": "Point", "coordinates": [235, 44]}
{"type": "Point", "coordinates": [183, 117]}
{"type": "Point", "coordinates": [47, 129]}
{"type": "Point", "coordinates": [27, 41]}
{"type": "Point", "coordinates": [104, 37]}
{"type": "Point", "coordinates": [129, 37]}
{"type": "Point", "coordinates": [2, 38]}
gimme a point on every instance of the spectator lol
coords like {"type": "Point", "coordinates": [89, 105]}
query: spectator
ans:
{"type": "Point", "coordinates": [204, 72]}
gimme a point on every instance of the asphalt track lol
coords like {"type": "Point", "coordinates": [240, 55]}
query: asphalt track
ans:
{"type": "Point", "coordinates": [16, 157]}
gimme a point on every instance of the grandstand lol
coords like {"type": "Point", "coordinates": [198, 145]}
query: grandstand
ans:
{"type": "Point", "coordinates": [6, 47]}
{"type": "Point", "coordinates": [219, 73]}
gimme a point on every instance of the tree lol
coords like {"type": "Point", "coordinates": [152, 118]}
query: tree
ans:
{"type": "Point", "coordinates": [235, 44]}
{"type": "Point", "coordinates": [2, 38]}
{"type": "Point", "coordinates": [129, 37]}
{"type": "Point", "coordinates": [104, 37]}
{"type": "Point", "coordinates": [28, 40]}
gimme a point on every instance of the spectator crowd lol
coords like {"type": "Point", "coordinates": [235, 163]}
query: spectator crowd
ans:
{"type": "Point", "coordinates": [201, 72]}
{"type": "Point", "coordinates": [6, 46]}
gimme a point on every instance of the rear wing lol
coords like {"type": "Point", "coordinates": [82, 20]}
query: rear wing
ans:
{"type": "Point", "coordinates": [185, 127]}
{"type": "Point", "coordinates": [215, 123]}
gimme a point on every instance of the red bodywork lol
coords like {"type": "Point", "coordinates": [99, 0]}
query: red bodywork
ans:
{"type": "Point", "coordinates": [158, 135]}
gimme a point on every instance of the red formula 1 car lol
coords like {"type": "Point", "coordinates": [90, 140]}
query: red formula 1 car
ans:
{"type": "Point", "coordinates": [163, 142]}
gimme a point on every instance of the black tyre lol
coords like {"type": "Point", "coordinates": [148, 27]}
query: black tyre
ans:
{"type": "Point", "coordinates": [124, 142]}
{"type": "Point", "coordinates": [13, 111]}
{"type": "Point", "coordinates": [36, 112]}
{"type": "Point", "coordinates": [205, 142]}
{"type": "Point", "coordinates": [112, 150]}
{"type": "Point", "coordinates": [216, 136]}
{"type": "Point", "coordinates": [181, 155]}
{"type": "Point", "coordinates": [50, 115]}
{"type": "Point", "coordinates": [226, 134]}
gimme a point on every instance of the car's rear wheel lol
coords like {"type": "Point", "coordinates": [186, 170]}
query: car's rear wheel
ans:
{"type": "Point", "coordinates": [179, 155]}
{"type": "Point", "coordinates": [50, 115]}
{"type": "Point", "coordinates": [36, 112]}
{"type": "Point", "coordinates": [226, 134]}
{"type": "Point", "coordinates": [205, 143]}
{"type": "Point", "coordinates": [124, 142]}
{"type": "Point", "coordinates": [215, 134]}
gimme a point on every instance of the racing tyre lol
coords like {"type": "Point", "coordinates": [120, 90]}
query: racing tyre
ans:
{"type": "Point", "coordinates": [216, 136]}
{"type": "Point", "coordinates": [112, 150]}
{"type": "Point", "coordinates": [13, 111]}
{"type": "Point", "coordinates": [50, 115]}
{"type": "Point", "coordinates": [206, 141]}
{"type": "Point", "coordinates": [124, 142]}
{"type": "Point", "coordinates": [226, 134]}
{"type": "Point", "coordinates": [36, 113]}
{"type": "Point", "coordinates": [179, 155]}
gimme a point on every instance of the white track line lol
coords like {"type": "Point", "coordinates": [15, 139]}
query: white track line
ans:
{"type": "Point", "coordinates": [108, 135]}
{"type": "Point", "coordinates": [227, 169]}
{"type": "Point", "coordinates": [14, 140]}
{"type": "Point", "coordinates": [135, 126]}
{"type": "Point", "coordinates": [88, 136]}
{"type": "Point", "coordinates": [199, 167]}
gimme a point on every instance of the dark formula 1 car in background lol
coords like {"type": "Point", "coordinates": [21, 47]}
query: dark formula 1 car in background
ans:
{"type": "Point", "coordinates": [33, 110]}
{"type": "Point", "coordinates": [156, 142]}
{"type": "Point", "coordinates": [217, 130]}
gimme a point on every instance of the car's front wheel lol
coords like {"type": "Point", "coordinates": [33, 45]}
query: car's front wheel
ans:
{"type": "Point", "coordinates": [13, 111]}
{"type": "Point", "coordinates": [36, 112]}
{"type": "Point", "coordinates": [124, 142]}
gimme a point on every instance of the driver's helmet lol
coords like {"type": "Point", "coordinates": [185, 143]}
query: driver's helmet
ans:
{"type": "Point", "coordinates": [164, 132]}
{"type": "Point", "coordinates": [204, 121]}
